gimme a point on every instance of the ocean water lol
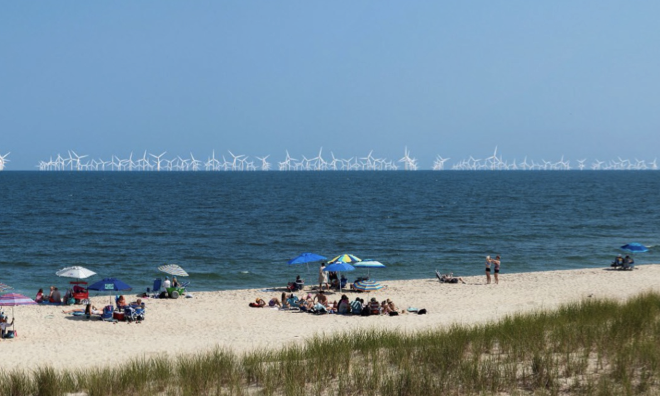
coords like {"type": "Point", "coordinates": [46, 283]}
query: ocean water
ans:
{"type": "Point", "coordinates": [234, 230]}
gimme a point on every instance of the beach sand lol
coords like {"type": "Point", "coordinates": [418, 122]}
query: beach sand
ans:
{"type": "Point", "coordinates": [46, 336]}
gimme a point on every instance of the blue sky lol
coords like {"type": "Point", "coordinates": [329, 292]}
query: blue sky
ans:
{"type": "Point", "coordinates": [537, 79]}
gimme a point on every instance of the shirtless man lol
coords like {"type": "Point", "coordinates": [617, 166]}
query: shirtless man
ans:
{"type": "Point", "coordinates": [321, 298]}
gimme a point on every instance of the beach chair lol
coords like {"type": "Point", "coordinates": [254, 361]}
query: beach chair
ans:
{"type": "Point", "coordinates": [155, 291]}
{"type": "Point", "coordinates": [108, 310]}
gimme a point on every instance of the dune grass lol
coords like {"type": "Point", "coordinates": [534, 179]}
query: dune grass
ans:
{"type": "Point", "coordinates": [593, 347]}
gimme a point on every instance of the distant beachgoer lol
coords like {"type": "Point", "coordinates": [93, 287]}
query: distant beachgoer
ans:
{"type": "Point", "coordinates": [488, 262]}
{"type": "Point", "coordinates": [449, 278]}
{"type": "Point", "coordinates": [4, 325]}
{"type": "Point", "coordinates": [618, 261]}
{"type": "Point", "coordinates": [55, 296]}
{"type": "Point", "coordinates": [166, 283]}
{"type": "Point", "coordinates": [175, 283]}
{"type": "Point", "coordinates": [323, 277]}
{"type": "Point", "coordinates": [40, 296]}
{"type": "Point", "coordinates": [121, 302]}
{"type": "Point", "coordinates": [496, 268]}
{"type": "Point", "coordinates": [344, 306]}
{"type": "Point", "coordinates": [628, 263]}
{"type": "Point", "coordinates": [321, 298]}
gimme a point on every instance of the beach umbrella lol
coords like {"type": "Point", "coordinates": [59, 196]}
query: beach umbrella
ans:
{"type": "Point", "coordinates": [339, 267]}
{"type": "Point", "coordinates": [369, 264]}
{"type": "Point", "coordinates": [345, 258]}
{"type": "Point", "coordinates": [172, 269]}
{"type": "Point", "coordinates": [110, 284]}
{"type": "Point", "coordinates": [306, 258]}
{"type": "Point", "coordinates": [367, 285]}
{"type": "Point", "coordinates": [13, 299]}
{"type": "Point", "coordinates": [75, 272]}
{"type": "Point", "coordinates": [634, 248]}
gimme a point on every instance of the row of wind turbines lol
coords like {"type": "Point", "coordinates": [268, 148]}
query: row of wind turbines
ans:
{"type": "Point", "coordinates": [158, 162]}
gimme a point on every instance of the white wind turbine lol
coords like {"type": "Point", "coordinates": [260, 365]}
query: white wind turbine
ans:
{"type": "Point", "coordinates": [158, 159]}
{"type": "Point", "coordinates": [265, 165]}
{"type": "Point", "coordinates": [3, 160]}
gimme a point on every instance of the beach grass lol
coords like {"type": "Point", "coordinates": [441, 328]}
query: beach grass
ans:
{"type": "Point", "coordinates": [591, 347]}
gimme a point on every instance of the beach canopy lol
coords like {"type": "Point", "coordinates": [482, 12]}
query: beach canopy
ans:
{"type": "Point", "coordinates": [345, 258]}
{"type": "Point", "coordinates": [172, 269]}
{"type": "Point", "coordinates": [367, 285]}
{"type": "Point", "coordinates": [635, 248]}
{"type": "Point", "coordinates": [306, 258]}
{"type": "Point", "coordinates": [110, 284]}
{"type": "Point", "coordinates": [75, 272]}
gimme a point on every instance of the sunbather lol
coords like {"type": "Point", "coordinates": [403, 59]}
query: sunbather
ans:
{"type": "Point", "coordinates": [449, 278]}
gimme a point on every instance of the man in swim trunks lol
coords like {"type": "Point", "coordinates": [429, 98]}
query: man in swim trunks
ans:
{"type": "Point", "coordinates": [496, 268]}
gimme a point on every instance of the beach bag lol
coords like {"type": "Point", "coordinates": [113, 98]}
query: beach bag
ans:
{"type": "Point", "coordinates": [255, 305]}
{"type": "Point", "coordinates": [422, 311]}
{"type": "Point", "coordinates": [394, 313]}
{"type": "Point", "coordinates": [366, 311]}
{"type": "Point", "coordinates": [10, 334]}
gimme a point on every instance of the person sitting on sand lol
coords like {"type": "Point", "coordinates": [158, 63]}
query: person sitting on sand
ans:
{"type": "Point", "coordinates": [321, 298]}
{"type": "Point", "coordinates": [4, 325]}
{"type": "Point", "coordinates": [40, 296]}
{"type": "Point", "coordinates": [55, 296]}
{"type": "Point", "coordinates": [618, 261]}
{"type": "Point", "coordinates": [344, 306]}
{"type": "Point", "coordinates": [374, 307]}
{"type": "Point", "coordinates": [392, 307]}
{"type": "Point", "coordinates": [628, 263]}
{"type": "Point", "coordinates": [356, 306]}
{"type": "Point", "coordinates": [384, 308]}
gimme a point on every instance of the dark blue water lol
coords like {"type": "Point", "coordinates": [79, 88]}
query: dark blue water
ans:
{"type": "Point", "coordinates": [237, 229]}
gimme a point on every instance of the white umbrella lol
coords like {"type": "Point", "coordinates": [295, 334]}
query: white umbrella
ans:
{"type": "Point", "coordinates": [75, 272]}
{"type": "Point", "coordinates": [173, 269]}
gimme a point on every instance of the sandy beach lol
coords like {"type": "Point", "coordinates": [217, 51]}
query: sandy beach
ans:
{"type": "Point", "coordinates": [46, 336]}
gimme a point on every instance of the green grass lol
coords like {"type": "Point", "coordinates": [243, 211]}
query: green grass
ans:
{"type": "Point", "coordinates": [594, 347]}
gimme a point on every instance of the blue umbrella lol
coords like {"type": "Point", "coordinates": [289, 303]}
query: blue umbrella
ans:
{"type": "Point", "coordinates": [338, 267]}
{"type": "Point", "coordinates": [110, 284]}
{"type": "Point", "coordinates": [635, 248]}
{"type": "Point", "coordinates": [369, 264]}
{"type": "Point", "coordinates": [306, 258]}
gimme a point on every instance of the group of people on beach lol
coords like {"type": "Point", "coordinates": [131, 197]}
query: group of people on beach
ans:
{"type": "Point", "coordinates": [319, 304]}
{"type": "Point", "coordinates": [623, 263]}
{"type": "Point", "coordinates": [495, 263]}
{"type": "Point", "coordinates": [54, 297]}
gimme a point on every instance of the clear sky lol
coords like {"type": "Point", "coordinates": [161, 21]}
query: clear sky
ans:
{"type": "Point", "coordinates": [542, 79]}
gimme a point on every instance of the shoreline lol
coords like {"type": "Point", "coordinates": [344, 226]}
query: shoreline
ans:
{"type": "Point", "coordinates": [223, 319]}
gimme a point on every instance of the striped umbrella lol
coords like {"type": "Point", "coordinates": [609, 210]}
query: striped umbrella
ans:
{"type": "Point", "coordinates": [367, 285]}
{"type": "Point", "coordinates": [345, 258]}
{"type": "Point", "coordinates": [172, 269]}
{"type": "Point", "coordinates": [13, 299]}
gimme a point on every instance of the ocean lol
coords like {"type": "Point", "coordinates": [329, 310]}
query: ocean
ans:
{"type": "Point", "coordinates": [234, 230]}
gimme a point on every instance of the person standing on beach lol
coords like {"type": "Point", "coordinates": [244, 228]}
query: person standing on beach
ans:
{"type": "Point", "coordinates": [496, 268]}
{"type": "Point", "coordinates": [488, 261]}
{"type": "Point", "coordinates": [323, 276]}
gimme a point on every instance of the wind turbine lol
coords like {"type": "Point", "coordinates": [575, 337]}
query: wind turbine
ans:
{"type": "Point", "coordinates": [3, 160]}
{"type": "Point", "coordinates": [158, 160]}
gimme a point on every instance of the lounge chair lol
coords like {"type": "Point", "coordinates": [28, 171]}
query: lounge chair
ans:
{"type": "Point", "coordinates": [156, 289]}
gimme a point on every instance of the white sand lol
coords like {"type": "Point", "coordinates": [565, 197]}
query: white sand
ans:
{"type": "Point", "coordinates": [210, 319]}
